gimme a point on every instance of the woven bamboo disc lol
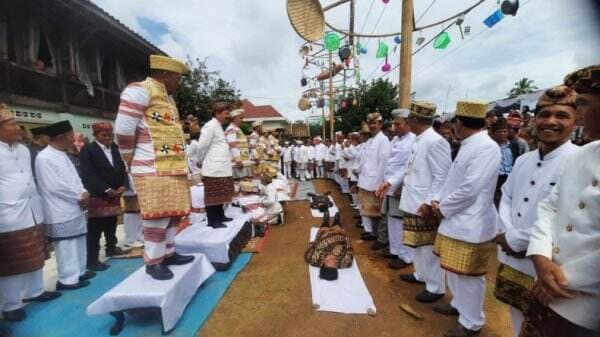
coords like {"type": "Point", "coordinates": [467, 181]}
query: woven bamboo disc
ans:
{"type": "Point", "coordinates": [306, 16]}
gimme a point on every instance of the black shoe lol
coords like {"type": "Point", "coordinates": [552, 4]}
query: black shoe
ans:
{"type": "Point", "coordinates": [377, 245]}
{"type": "Point", "coordinates": [216, 225]}
{"type": "Point", "coordinates": [88, 275]}
{"type": "Point", "coordinates": [226, 219]}
{"type": "Point", "coordinates": [461, 331]}
{"type": "Point", "coordinates": [410, 278]}
{"type": "Point", "coordinates": [97, 266]}
{"type": "Point", "coordinates": [80, 284]}
{"type": "Point", "coordinates": [14, 315]}
{"type": "Point", "coordinates": [446, 310]}
{"type": "Point", "coordinates": [368, 237]}
{"type": "Point", "coordinates": [427, 297]}
{"type": "Point", "coordinates": [44, 297]}
{"type": "Point", "coordinates": [386, 254]}
{"type": "Point", "coordinates": [178, 259]}
{"type": "Point", "coordinates": [159, 272]}
{"type": "Point", "coordinates": [398, 263]}
{"type": "Point", "coordinates": [116, 252]}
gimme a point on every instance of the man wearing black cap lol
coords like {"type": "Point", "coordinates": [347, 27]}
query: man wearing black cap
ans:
{"type": "Point", "coordinates": [64, 200]}
{"type": "Point", "coordinates": [39, 142]}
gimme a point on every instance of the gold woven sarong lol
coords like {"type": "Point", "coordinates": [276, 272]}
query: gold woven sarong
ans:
{"type": "Point", "coordinates": [370, 205]}
{"type": "Point", "coordinates": [513, 287]}
{"type": "Point", "coordinates": [163, 196]}
{"type": "Point", "coordinates": [418, 232]}
{"type": "Point", "coordinates": [461, 257]}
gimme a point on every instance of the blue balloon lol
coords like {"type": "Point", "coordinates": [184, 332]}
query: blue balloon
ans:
{"type": "Point", "coordinates": [397, 39]}
{"type": "Point", "coordinates": [363, 50]}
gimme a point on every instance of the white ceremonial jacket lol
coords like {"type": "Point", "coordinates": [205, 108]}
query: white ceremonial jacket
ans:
{"type": "Point", "coordinates": [467, 196]}
{"type": "Point", "coordinates": [396, 164]}
{"type": "Point", "coordinates": [214, 151]}
{"type": "Point", "coordinates": [192, 152]}
{"type": "Point", "coordinates": [287, 154]}
{"type": "Point", "coordinates": [20, 204]}
{"type": "Point", "coordinates": [352, 153]}
{"type": "Point", "coordinates": [302, 154]}
{"type": "Point", "coordinates": [426, 170]}
{"type": "Point", "coordinates": [567, 230]}
{"type": "Point", "coordinates": [311, 152]}
{"type": "Point", "coordinates": [376, 152]}
{"type": "Point", "coordinates": [59, 185]}
{"type": "Point", "coordinates": [321, 153]}
{"type": "Point", "coordinates": [530, 182]}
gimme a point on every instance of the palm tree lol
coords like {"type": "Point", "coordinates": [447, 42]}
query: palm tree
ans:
{"type": "Point", "coordinates": [522, 87]}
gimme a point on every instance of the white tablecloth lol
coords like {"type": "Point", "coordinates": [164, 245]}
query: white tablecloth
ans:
{"type": "Point", "coordinates": [332, 211]}
{"type": "Point", "coordinates": [212, 242]}
{"type": "Point", "coordinates": [140, 290]}
{"type": "Point", "coordinates": [348, 294]}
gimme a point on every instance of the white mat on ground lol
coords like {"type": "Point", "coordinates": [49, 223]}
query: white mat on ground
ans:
{"type": "Point", "coordinates": [214, 243]}
{"type": "Point", "coordinates": [348, 294]}
{"type": "Point", "coordinates": [332, 210]}
{"type": "Point", "coordinates": [139, 290]}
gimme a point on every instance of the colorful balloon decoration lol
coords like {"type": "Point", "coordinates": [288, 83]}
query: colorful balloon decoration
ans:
{"type": "Point", "coordinates": [332, 41]}
{"type": "Point", "coordinates": [442, 41]}
{"type": "Point", "coordinates": [386, 66]}
{"type": "Point", "coordinates": [382, 50]}
{"type": "Point", "coordinates": [397, 39]}
{"type": "Point", "coordinates": [494, 18]}
{"type": "Point", "coordinates": [385, 1]}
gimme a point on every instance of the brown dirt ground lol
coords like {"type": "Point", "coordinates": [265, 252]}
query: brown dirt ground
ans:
{"type": "Point", "coordinates": [271, 296]}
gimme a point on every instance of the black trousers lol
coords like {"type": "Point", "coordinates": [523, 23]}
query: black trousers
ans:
{"type": "Point", "coordinates": [215, 214]}
{"type": "Point", "coordinates": [97, 226]}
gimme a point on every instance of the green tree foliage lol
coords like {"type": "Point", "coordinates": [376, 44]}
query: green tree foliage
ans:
{"type": "Point", "coordinates": [378, 96]}
{"type": "Point", "coordinates": [200, 87]}
{"type": "Point", "coordinates": [522, 87]}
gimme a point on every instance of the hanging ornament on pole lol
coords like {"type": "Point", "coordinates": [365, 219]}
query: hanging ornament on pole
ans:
{"type": "Point", "coordinates": [385, 1]}
{"type": "Point", "coordinates": [382, 50]}
{"type": "Point", "coordinates": [386, 66]}
{"type": "Point", "coordinates": [442, 41]}
{"type": "Point", "coordinates": [332, 41]}
{"type": "Point", "coordinates": [459, 21]}
{"type": "Point", "coordinates": [494, 18]}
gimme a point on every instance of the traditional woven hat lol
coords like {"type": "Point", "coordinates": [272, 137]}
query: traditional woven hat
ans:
{"type": "Point", "coordinates": [471, 109]}
{"type": "Point", "coordinates": [307, 18]}
{"type": "Point", "coordinates": [586, 80]}
{"type": "Point", "coordinates": [58, 128]}
{"type": "Point", "coordinates": [101, 126]}
{"type": "Point", "coordinates": [374, 116]}
{"type": "Point", "coordinates": [235, 113]}
{"type": "Point", "coordinates": [256, 123]}
{"type": "Point", "coordinates": [5, 113]}
{"type": "Point", "coordinates": [303, 104]}
{"type": "Point", "coordinates": [160, 62]}
{"type": "Point", "coordinates": [400, 113]}
{"type": "Point", "coordinates": [422, 109]}
{"type": "Point", "coordinates": [559, 95]}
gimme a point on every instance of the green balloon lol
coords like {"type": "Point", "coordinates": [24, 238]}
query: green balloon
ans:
{"type": "Point", "coordinates": [332, 41]}
{"type": "Point", "coordinates": [442, 41]}
{"type": "Point", "coordinates": [382, 50]}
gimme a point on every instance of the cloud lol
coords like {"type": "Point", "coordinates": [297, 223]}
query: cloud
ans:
{"type": "Point", "coordinates": [252, 44]}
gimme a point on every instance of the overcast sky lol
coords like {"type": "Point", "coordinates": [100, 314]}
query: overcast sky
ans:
{"type": "Point", "coordinates": [253, 45]}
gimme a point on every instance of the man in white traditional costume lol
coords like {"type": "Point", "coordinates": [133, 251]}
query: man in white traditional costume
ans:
{"type": "Point", "coordinates": [320, 156]}
{"type": "Point", "coordinates": [302, 161]}
{"type": "Point", "coordinates": [554, 122]}
{"type": "Point", "coordinates": [564, 241]}
{"type": "Point", "coordinates": [376, 153]}
{"type": "Point", "coordinates": [311, 158]}
{"type": "Point", "coordinates": [344, 165]}
{"type": "Point", "coordinates": [216, 167]}
{"type": "Point", "coordinates": [426, 170]}
{"type": "Point", "coordinates": [65, 201]}
{"type": "Point", "coordinates": [151, 142]}
{"type": "Point", "coordinates": [238, 145]}
{"type": "Point", "coordinates": [337, 156]}
{"type": "Point", "coordinates": [22, 238]}
{"type": "Point", "coordinates": [469, 218]}
{"type": "Point", "coordinates": [390, 190]}
{"type": "Point", "coordinates": [352, 153]}
{"type": "Point", "coordinates": [287, 160]}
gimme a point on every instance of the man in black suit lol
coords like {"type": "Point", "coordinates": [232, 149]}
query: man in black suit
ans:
{"type": "Point", "coordinates": [104, 176]}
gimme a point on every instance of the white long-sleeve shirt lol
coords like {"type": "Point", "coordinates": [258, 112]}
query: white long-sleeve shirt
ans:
{"type": "Point", "coordinates": [376, 153]}
{"type": "Point", "coordinates": [302, 154]}
{"type": "Point", "coordinates": [352, 153]}
{"type": "Point", "coordinates": [321, 152]}
{"type": "Point", "coordinates": [518, 208]}
{"type": "Point", "coordinates": [18, 193]}
{"type": "Point", "coordinates": [567, 231]}
{"type": "Point", "coordinates": [426, 170]}
{"type": "Point", "coordinates": [287, 154]}
{"type": "Point", "coordinates": [311, 152]}
{"type": "Point", "coordinates": [467, 196]}
{"type": "Point", "coordinates": [59, 185]}
{"type": "Point", "coordinates": [214, 151]}
{"type": "Point", "coordinates": [396, 164]}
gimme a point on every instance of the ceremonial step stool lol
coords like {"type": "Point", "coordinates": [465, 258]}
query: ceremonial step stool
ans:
{"type": "Point", "coordinates": [139, 291]}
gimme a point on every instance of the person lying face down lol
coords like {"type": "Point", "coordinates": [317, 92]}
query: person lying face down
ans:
{"type": "Point", "coordinates": [330, 251]}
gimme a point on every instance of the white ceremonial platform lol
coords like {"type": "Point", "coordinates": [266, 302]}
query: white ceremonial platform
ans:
{"type": "Point", "coordinates": [348, 294]}
{"type": "Point", "coordinates": [140, 291]}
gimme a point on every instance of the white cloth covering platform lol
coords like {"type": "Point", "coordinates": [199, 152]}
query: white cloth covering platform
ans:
{"type": "Point", "coordinates": [347, 295]}
{"type": "Point", "coordinates": [140, 291]}
{"type": "Point", "coordinates": [220, 245]}
{"type": "Point", "coordinates": [332, 210]}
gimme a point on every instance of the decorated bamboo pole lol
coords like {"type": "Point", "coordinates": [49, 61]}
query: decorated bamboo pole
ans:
{"type": "Point", "coordinates": [331, 99]}
{"type": "Point", "coordinates": [406, 54]}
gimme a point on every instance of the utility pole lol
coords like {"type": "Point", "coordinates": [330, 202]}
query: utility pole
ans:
{"type": "Point", "coordinates": [404, 99]}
